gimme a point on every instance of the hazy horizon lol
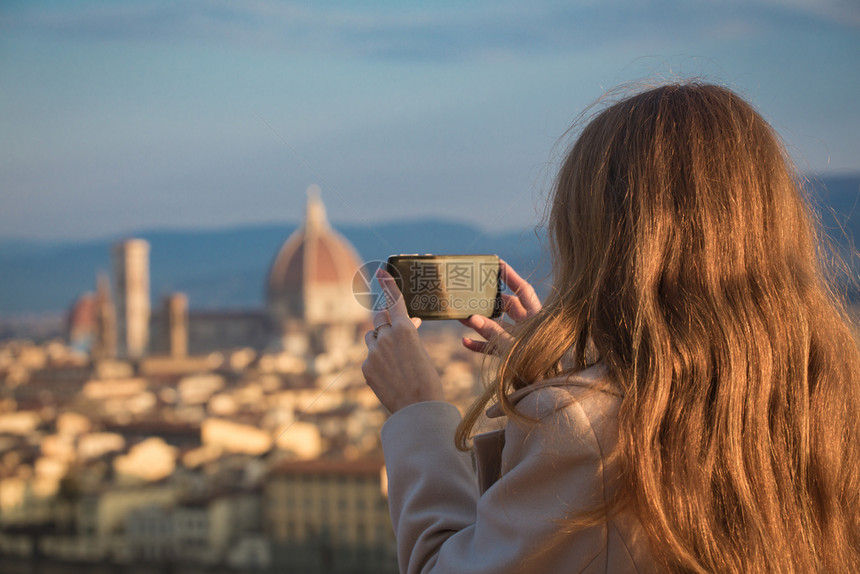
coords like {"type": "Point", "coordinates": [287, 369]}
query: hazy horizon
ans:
{"type": "Point", "coordinates": [487, 228]}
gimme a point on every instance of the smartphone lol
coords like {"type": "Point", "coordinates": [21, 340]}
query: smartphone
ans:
{"type": "Point", "coordinates": [448, 286]}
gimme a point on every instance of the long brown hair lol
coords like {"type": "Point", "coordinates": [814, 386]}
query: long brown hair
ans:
{"type": "Point", "coordinates": [685, 249]}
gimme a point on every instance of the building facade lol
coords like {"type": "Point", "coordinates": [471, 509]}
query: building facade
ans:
{"type": "Point", "coordinates": [329, 516]}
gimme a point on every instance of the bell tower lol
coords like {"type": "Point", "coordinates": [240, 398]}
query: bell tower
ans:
{"type": "Point", "coordinates": [131, 268]}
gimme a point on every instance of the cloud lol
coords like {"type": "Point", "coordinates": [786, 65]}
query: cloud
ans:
{"type": "Point", "coordinates": [844, 12]}
{"type": "Point", "coordinates": [360, 30]}
{"type": "Point", "coordinates": [371, 29]}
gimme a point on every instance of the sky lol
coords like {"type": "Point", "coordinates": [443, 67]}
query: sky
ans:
{"type": "Point", "coordinates": [121, 116]}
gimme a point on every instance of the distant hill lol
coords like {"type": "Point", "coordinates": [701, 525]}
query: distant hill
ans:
{"type": "Point", "coordinates": [227, 268]}
{"type": "Point", "coordinates": [838, 204]}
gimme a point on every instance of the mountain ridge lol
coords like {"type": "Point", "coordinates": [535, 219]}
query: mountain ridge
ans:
{"type": "Point", "coordinates": [227, 268]}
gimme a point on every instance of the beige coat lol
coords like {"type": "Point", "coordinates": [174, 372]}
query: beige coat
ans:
{"type": "Point", "coordinates": [529, 477]}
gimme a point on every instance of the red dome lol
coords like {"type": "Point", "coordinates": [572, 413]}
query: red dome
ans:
{"type": "Point", "coordinates": [314, 256]}
{"type": "Point", "coordinates": [81, 319]}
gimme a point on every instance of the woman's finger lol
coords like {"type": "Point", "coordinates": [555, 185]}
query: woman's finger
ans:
{"type": "Point", "coordinates": [396, 307]}
{"type": "Point", "coordinates": [477, 346]}
{"type": "Point", "coordinates": [523, 290]}
{"type": "Point", "coordinates": [369, 339]}
{"type": "Point", "coordinates": [495, 334]}
{"type": "Point", "coordinates": [494, 346]}
{"type": "Point", "coordinates": [380, 318]}
{"type": "Point", "coordinates": [487, 328]}
{"type": "Point", "coordinates": [514, 308]}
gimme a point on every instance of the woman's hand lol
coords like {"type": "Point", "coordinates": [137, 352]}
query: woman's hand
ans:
{"type": "Point", "coordinates": [398, 369]}
{"type": "Point", "coordinates": [523, 303]}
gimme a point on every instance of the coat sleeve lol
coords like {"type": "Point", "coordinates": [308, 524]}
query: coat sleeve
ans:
{"type": "Point", "coordinates": [550, 470]}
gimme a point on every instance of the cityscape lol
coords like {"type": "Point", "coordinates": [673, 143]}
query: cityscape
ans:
{"type": "Point", "coordinates": [155, 437]}
{"type": "Point", "coordinates": [182, 328]}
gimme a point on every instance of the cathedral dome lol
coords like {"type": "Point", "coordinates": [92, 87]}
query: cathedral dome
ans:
{"type": "Point", "coordinates": [311, 277]}
{"type": "Point", "coordinates": [81, 321]}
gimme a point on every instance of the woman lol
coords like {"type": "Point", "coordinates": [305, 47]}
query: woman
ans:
{"type": "Point", "coordinates": [686, 399]}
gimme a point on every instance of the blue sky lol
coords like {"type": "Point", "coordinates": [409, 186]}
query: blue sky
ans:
{"type": "Point", "coordinates": [120, 116]}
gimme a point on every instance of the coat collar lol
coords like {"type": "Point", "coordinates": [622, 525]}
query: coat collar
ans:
{"type": "Point", "coordinates": [585, 378]}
